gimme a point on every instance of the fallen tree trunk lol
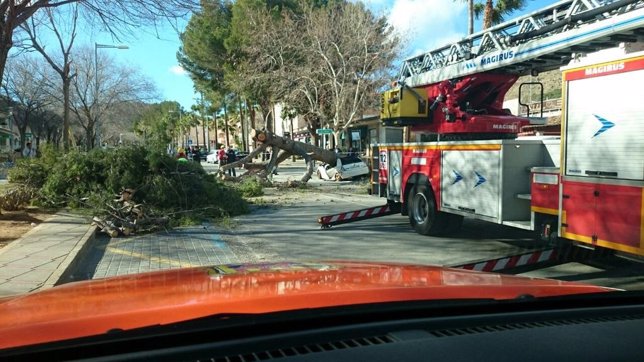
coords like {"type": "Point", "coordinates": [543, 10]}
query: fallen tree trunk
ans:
{"type": "Point", "coordinates": [288, 147]}
{"type": "Point", "coordinates": [294, 147]}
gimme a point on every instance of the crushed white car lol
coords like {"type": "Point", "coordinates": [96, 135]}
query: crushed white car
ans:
{"type": "Point", "coordinates": [345, 168]}
{"type": "Point", "coordinates": [212, 157]}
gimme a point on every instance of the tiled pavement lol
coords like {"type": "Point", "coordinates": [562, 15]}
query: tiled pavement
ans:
{"type": "Point", "coordinates": [40, 257]}
{"type": "Point", "coordinates": [58, 251]}
{"type": "Point", "coordinates": [177, 248]}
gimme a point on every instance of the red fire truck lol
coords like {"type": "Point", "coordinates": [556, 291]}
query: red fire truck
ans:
{"type": "Point", "coordinates": [465, 157]}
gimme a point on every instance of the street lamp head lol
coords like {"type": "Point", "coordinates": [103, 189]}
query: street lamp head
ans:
{"type": "Point", "coordinates": [103, 46]}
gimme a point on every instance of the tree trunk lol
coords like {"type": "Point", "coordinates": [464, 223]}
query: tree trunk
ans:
{"type": "Point", "coordinates": [23, 136]}
{"type": "Point", "coordinates": [307, 151]}
{"type": "Point", "coordinates": [226, 124]}
{"type": "Point", "coordinates": [6, 42]}
{"type": "Point", "coordinates": [214, 117]}
{"type": "Point", "coordinates": [487, 14]}
{"type": "Point", "coordinates": [90, 138]}
{"type": "Point", "coordinates": [267, 114]}
{"type": "Point", "coordinates": [203, 131]}
{"type": "Point", "coordinates": [66, 85]}
{"type": "Point", "coordinates": [252, 116]}
{"type": "Point", "coordinates": [470, 17]}
{"type": "Point", "coordinates": [296, 147]}
{"type": "Point", "coordinates": [336, 139]}
{"type": "Point", "coordinates": [243, 129]}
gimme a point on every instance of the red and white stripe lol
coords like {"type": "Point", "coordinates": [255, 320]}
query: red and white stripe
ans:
{"type": "Point", "coordinates": [345, 216]}
{"type": "Point", "coordinates": [514, 261]}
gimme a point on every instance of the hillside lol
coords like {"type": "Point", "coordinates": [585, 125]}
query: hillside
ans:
{"type": "Point", "coordinates": [551, 86]}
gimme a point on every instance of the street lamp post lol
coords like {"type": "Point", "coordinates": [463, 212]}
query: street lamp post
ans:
{"type": "Point", "coordinates": [96, 47]}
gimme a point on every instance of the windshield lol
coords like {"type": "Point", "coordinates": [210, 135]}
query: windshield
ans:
{"type": "Point", "coordinates": [499, 151]}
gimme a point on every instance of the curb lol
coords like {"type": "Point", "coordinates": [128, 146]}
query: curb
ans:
{"type": "Point", "coordinates": [66, 269]}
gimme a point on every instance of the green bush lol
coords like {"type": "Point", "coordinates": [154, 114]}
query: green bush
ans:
{"type": "Point", "coordinates": [30, 172]}
{"type": "Point", "coordinates": [250, 188]}
{"type": "Point", "coordinates": [79, 179]}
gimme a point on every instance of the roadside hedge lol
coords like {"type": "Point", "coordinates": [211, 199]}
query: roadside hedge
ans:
{"type": "Point", "coordinates": [91, 179]}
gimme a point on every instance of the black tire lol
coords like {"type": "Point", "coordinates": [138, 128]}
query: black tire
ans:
{"type": "Point", "coordinates": [424, 217]}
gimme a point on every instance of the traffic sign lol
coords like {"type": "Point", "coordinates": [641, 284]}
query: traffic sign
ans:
{"type": "Point", "coordinates": [324, 131]}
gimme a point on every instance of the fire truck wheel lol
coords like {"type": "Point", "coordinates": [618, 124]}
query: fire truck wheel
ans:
{"type": "Point", "coordinates": [423, 215]}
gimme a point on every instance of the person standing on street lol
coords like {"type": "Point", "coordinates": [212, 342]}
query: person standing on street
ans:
{"type": "Point", "coordinates": [231, 157]}
{"type": "Point", "coordinates": [28, 152]}
{"type": "Point", "coordinates": [221, 156]}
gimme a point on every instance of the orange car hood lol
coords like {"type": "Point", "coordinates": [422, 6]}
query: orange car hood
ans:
{"type": "Point", "coordinates": [94, 307]}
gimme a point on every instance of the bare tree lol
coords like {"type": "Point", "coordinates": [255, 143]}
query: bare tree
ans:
{"type": "Point", "coordinates": [63, 26]}
{"type": "Point", "coordinates": [349, 55]}
{"type": "Point", "coordinates": [46, 124]}
{"type": "Point", "coordinates": [117, 17]}
{"type": "Point", "coordinates": [119, 121]}
{"type": "Point", "coordinates": [117, 84]}
{"type": "Point", "coordinates": [27, 87]}
{"type": "Point", "coordinates": [325, 62]}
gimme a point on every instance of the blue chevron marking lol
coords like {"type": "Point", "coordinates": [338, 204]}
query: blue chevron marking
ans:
{"type": "Point", "coordinates": [480, 180]}
{"type": "Point", "coordinates": [606, 125]}
{"type": "Point", "coordinates": [457, 177]}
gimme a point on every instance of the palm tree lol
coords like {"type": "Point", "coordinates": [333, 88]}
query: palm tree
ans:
{"type": "Point", "coordinates": [493, 13]}
{"type": "Point", "coordinates": [470, 16]}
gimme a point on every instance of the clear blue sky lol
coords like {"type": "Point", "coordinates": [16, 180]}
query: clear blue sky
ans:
{"type": "Point", "coordinates": [155, 56]}
{"type": "Point", "coordinates": [427, 23]}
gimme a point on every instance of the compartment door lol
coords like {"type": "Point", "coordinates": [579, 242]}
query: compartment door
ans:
{"type": "Point", "coordinates": [471, 182]}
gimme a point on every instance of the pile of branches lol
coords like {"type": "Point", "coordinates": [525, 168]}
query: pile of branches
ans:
{"type": "Point", "coordinates": [124, 217]}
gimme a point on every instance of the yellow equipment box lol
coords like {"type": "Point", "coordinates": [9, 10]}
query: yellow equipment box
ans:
{"type": "Point", "coordinates": [403, 106]}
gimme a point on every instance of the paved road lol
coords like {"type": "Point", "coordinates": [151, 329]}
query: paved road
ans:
{"type": "Point", "coordinates": [291, 232]}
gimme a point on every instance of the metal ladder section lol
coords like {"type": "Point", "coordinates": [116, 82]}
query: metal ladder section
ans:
{"type": "Point", "coordinates": [543, 40]}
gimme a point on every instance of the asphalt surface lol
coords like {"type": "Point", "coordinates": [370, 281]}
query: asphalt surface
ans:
{"type": "Point", "coordinates": [283, 226]}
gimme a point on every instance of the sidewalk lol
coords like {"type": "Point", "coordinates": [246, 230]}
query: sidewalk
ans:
{"type": "Point", "coordinates": [40, 258]}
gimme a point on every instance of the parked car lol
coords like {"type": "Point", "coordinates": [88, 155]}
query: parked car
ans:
{"type": "Point", "coordinates": [203, 155]}
{"type": "Point", "coordinates": [240, 154]}
{"type": "Point", "coordinates": [211, 157]}
{"type": "Point", "coordinates": [345, 168]}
